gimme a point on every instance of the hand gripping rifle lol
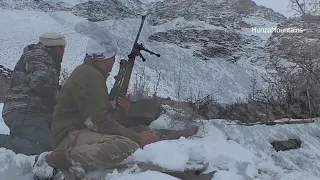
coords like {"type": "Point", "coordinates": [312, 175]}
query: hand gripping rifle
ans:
{"type": "Point", "coordinates": [122, 79]}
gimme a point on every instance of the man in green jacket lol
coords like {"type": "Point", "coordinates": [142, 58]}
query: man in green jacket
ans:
{"type": "Point", "coordinates": [83, 130]}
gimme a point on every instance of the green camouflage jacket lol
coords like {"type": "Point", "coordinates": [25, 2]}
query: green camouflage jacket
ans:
{"type": "Point", "coordinates": [34, 82]}
{"type": "Point", "coordinates": [83, 102]}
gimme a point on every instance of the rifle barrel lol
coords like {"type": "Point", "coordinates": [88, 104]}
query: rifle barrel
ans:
{"type": "Point", "coordinates": [139, 32]}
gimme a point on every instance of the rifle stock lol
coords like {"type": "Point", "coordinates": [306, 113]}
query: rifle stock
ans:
{"type": "Point", "coordinates": [122, 79]}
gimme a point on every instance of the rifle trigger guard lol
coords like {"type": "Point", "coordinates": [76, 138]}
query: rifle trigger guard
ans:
{"type": "Point", "coordinates": [143, 59]}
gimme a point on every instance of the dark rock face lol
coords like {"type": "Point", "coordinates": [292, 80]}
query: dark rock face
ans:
{"type": "Point", "coordinates": [103, 10]}
{"type": "Point", "coordinates": [195, 36]}
{"type": "Point", "coordinates": [223, 42]}
{"type": "Point", "coordinates": [286, 145]}
{"type": "Point", "coordinates": [210, 12]}
{"type": "Point", "coordinates": [208, 43]}
{"type": "Point", "coordinates": [34, 5]}
{"type": "Point", "coordinates": [92, 10]}
{"type": "Point", "coordinates": [219, 13]}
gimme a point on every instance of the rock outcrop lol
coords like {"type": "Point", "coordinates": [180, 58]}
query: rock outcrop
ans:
{"type": "Point", "coordinates": [302, 42]}
{"type": "Point", "coordinates": [221, 35]}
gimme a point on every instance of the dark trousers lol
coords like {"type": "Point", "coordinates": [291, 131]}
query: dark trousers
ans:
{"type": "Point", "coordinates": [29, 133]}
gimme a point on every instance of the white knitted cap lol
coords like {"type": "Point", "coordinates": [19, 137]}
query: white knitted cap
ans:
{"type": "Point", "coordinates": [102, 50]}
{"type": "Point", "coordinates": [53, 39]}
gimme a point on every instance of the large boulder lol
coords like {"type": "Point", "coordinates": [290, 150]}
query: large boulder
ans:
{"type": "Point", "coordinates": [286, 145]}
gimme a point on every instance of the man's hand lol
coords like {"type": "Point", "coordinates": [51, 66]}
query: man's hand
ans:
{"type": "Point", "coordinates": [147, 137]}
{"type": "Point", "coordinates": [125, 103]}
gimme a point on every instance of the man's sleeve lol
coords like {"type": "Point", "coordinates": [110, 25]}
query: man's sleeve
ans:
{"type": "Point", "coordinates": [93, 102]}
{"type": "Point", "coordinates": [39, 73]}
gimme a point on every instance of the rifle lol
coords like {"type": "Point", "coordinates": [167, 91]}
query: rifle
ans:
{"type": "Point", "coordinates": [122, 79]}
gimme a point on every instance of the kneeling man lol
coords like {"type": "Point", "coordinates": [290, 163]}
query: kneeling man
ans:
{"type": "Point", "coordinates": [83, 130]}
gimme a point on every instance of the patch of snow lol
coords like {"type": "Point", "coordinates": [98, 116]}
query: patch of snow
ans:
{"type": "Point", "coordinates": [69, 3]}
{"type": "Point", "coordinates": [162, 122]}
{"type": "Point", "coordinates": [239, 152]}
{"type": "Point", "coordinates": [15, 166]}
{"type": "Point", "coordinates": [41, 168]}
{"type": "Point", "coordinates": [149, 1]}
{"type": "Point", "coordinates": [258, 22]}
{"type": "Point", "coordinates": [223, 175]}
{"type": "Point", "coordinates": [147, 175]}
{"type": "Point", "coordinates": [288, 120]}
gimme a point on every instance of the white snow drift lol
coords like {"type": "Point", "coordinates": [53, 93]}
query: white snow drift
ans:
{"type": "Point", "coordinates": [235, 152]}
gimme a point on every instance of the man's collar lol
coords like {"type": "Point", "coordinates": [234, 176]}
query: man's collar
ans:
{"type": "Point", "coordinates": [91, 63]}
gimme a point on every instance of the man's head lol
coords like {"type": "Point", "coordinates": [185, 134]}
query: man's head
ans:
{"type": "Point", "coordinates": [56, 42]}
{"type": "Point", "coordinates": [103, 54]}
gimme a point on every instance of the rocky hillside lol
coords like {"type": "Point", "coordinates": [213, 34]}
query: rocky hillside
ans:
{"type": "Point", "coordinates": [107, 9]}
{"type": "Point", "coordinates": [289, 46]}
{"type": "Point", "coordinates": [219, 12]}
{"type": "Point", "coordinates": [92, 10]}
{"type": "Point", "coordinates": [221, 36]}
{"type": "Point", "coordinates": [31, 5]}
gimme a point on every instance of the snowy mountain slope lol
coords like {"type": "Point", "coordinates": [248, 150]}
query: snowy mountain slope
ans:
{"type": "Point", "coordinates": [207, 48]}
{"type": "Point", "coordinates": [31, 5]}
{"type": "Point", "coordinates": [24, 27]}
{"type": "Point", "coordinates": [181, 72]}
{"type": "Point", "coordinates": [235, 152]}
{"type": "Point", "coordinates": [97, 10]}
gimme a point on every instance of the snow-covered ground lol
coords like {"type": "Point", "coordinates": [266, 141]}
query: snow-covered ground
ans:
{"type": "Point", "coordinates": [235, 152]}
